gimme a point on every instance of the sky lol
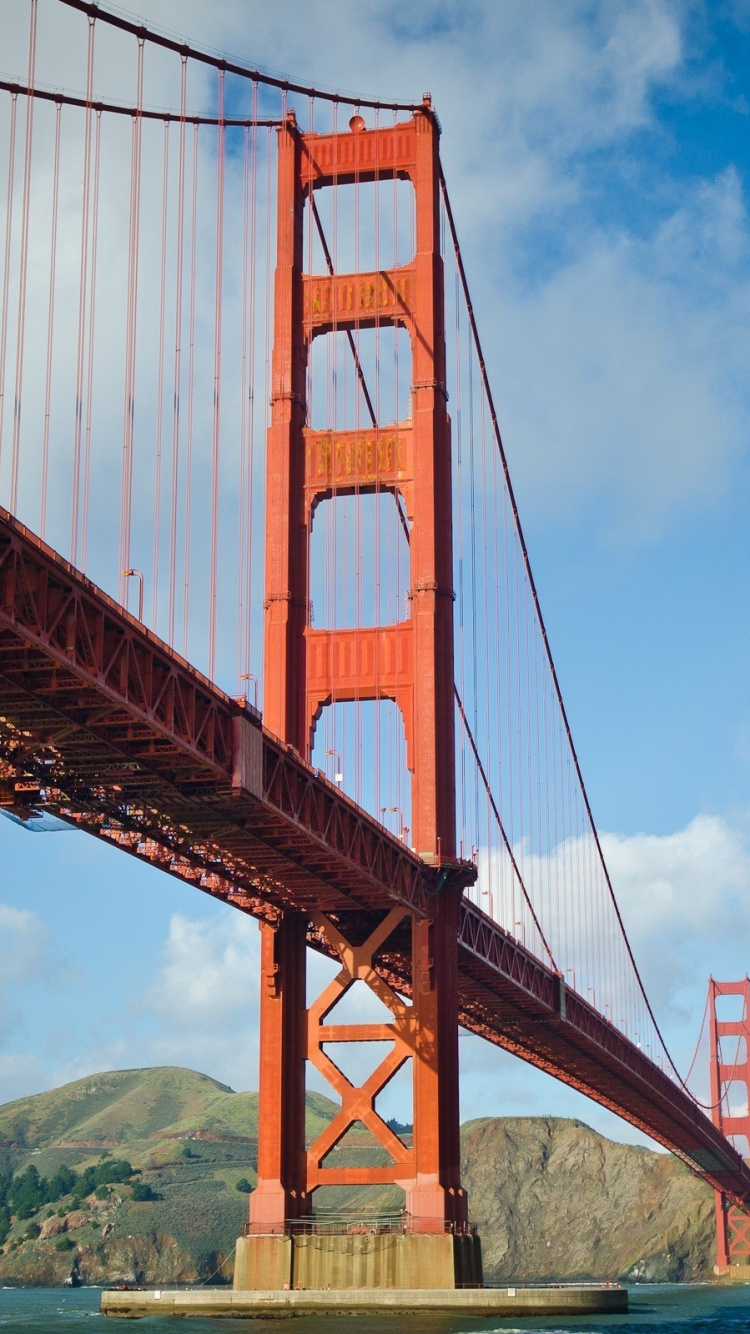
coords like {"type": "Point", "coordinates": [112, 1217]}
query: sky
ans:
{"type": "Point", "coordinates": [597, 156]}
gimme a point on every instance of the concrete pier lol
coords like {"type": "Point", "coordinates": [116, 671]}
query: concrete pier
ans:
{"type": "Point", "coordinates": [591, 1299]}
{"type": "Point", "coordinates": [358, 1259]}
{"type": "Point", "coordinates": [734, 1273]}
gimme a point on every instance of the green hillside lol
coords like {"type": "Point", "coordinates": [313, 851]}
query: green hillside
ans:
{"type": "Point", "coordinates": [139, 1109]}
{"type": "Point", "coordinates": [188, 1137]}
{"type": "Point", "coordinates": [551, 1198]}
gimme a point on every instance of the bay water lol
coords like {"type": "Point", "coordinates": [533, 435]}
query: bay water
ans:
{"type": "Point", "coordinates": [679, 1309]}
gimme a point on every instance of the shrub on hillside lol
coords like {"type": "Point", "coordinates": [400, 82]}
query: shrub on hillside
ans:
{"type": "Point", "coordinates": [27, 1192]}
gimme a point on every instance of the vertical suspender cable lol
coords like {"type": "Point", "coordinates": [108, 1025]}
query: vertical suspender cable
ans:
{"type": "Point", "coordinates": [243, 382]}
{"type": "Point", "coordinates": [25, 210]}
{"type": "Point", "coordinates": [130, 333]}
{"type": "Point", "coordinates": [6, 266]}
{"type": "Point", "coordinates": [191, 399]}
{"type": "Point", "coordinates": [378, 547]}
{"type": "Point", "coordinates": [92, 343]}
{"type": "Point", "coordinates": [267, 311]}
{"type": "Point", "coordinates": [247, 380]}
{"type": "Point", "coordinates": [458, 473]}
{"type": "Point", "coordinates": [82, 294]}
{"type": "Point", "coordinates": [177, 389]}
{"type": "Point", "coordinates": [50, 322]}
{"type": "Point", "coordinates": [160, 375]}
{"type": "Point", "coordinates": [486, 623]}
{"type": "Point", "coordinates": [357, 516]}
{"type": "Point", "coordinates": [473, 574]}
{"type": "Point", "coordinates": [251, 382]}
{"type": "Point", "coordinates": [217, 387]}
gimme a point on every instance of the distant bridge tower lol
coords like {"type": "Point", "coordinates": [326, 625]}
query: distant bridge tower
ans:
{"type": "Point", "coordinates": [409, 662]}
{"type": "Point", "coordinates": [730, 1065]}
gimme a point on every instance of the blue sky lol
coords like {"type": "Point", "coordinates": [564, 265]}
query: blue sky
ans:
{"type": "Point", "coordinates": [597, 157]}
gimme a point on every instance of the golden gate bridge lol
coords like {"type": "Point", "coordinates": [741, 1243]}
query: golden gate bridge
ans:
{"type": "Point", "coordinates": [267, 615]}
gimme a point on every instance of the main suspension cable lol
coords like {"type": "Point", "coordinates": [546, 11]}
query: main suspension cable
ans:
{"type": "Point", "coordinates": [122, 109]}
{"type": "Point", "coordinates": [230, 67]}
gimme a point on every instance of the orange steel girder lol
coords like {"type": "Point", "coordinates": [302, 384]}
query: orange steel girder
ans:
{"type": "Point", "coordinates": [732, 1223]}
{"type": "Point", "coordinates": [358, 1102]}
{"type": "Point", "coordinates": [307, 669]}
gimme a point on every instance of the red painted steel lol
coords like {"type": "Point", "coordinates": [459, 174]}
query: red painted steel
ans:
{"type": "Point", "coordinates": [306, 669]}
{"type": "Point", "coordinates": [104, 725]}
{"type": "Point", "coordinates": [358, 963]}
{"type": "Point", "coordinates": [732, 1222]}
{"type": "Point", "coordinates": [140, 744]}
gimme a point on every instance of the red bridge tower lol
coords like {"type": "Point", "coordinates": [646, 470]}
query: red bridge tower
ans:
{"type": "Point", "coordinates": [730, 1039]}
{"type": "Point", "coordinates": [409, 662]}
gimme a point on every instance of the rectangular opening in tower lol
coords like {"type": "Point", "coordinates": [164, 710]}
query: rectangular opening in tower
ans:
{"type": "Point", "coordinates": [359, 227]}
{"type": "Point", "coordinates": [733, 1050]}
{"type": "Point", "coordinates": [359, 379]}
{"type": "Point", "coordinates": [363, 741]}
{"type": "Point", "coordinates": [730, 1008]}
{"type": "Point", "coordinates": [735, 1094]}
{"type": "Point", "coordinates": [359, 562]}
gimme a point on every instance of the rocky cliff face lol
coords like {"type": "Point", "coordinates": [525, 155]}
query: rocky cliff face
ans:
{"type": "Point", "coordinates": [149, 1258]}
{"type": "Point", "coordinates": [552, 1199]}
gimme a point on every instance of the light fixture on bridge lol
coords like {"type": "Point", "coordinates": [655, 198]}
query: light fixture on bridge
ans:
{"type": "Point", "coordinates": [337, 777]}
{"type": "Point", "coordinates": [404, 829]}
{"type": "Point", "coordinates": [248, 676]}
{"type": "Point", "coordinates": [136, 574]}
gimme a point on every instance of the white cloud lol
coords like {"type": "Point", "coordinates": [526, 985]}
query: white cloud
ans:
{"type": "Point", "coordinates": [210, 971]}
{"type": "Point", "coordinates": [689, 882]}
{"type": "Point", "coordinates": [622, 388]}
{"type": "Point", "coordinates": [23, 943]}
{"type": "Point", "coordinates": [28, 957]}
{"type": "Point", "coordinates": [21, 1075]}
{"type": "Point", "coordinates": [29, 961]}
{"type": "Point", "coordinates": [202, 1010]}
{"type": "Point", "coordinates": [685, 900]}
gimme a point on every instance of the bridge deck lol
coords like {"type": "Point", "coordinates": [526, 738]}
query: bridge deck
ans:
{"type": "Point", "coordinates": [101, 722]}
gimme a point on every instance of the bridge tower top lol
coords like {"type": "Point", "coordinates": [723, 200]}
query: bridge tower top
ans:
{"type": "Point", "coordinates": [409, 661]}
